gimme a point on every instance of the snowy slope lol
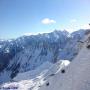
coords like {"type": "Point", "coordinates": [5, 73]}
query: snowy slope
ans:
{"type": "Point", "coordinates": [76, 76]}
{"type": "Point", "coordinates": [34, 73]}
{"type": "Point", "coordinates": [32, 80]}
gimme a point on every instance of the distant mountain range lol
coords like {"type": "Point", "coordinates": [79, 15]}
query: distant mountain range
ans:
{"type": "Point", "coordinates": [29, 52]}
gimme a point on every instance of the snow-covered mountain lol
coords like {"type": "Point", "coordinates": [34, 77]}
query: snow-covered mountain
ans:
{"type": "Point", "coordinates": [10, 48]}
{"type": "Point", "coordinates": [62, 75]}
{"type": "Point", "coordinates": [76, 76]}
{"type": "Point", "coordinates": [29, 52]}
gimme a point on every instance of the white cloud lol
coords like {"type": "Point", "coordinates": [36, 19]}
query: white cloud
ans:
{"type": "Point", "coordinates": [48, 21]}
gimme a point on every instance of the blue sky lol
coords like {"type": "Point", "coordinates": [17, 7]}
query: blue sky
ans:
{"type": "Point", "coordinates": [18, 17]}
